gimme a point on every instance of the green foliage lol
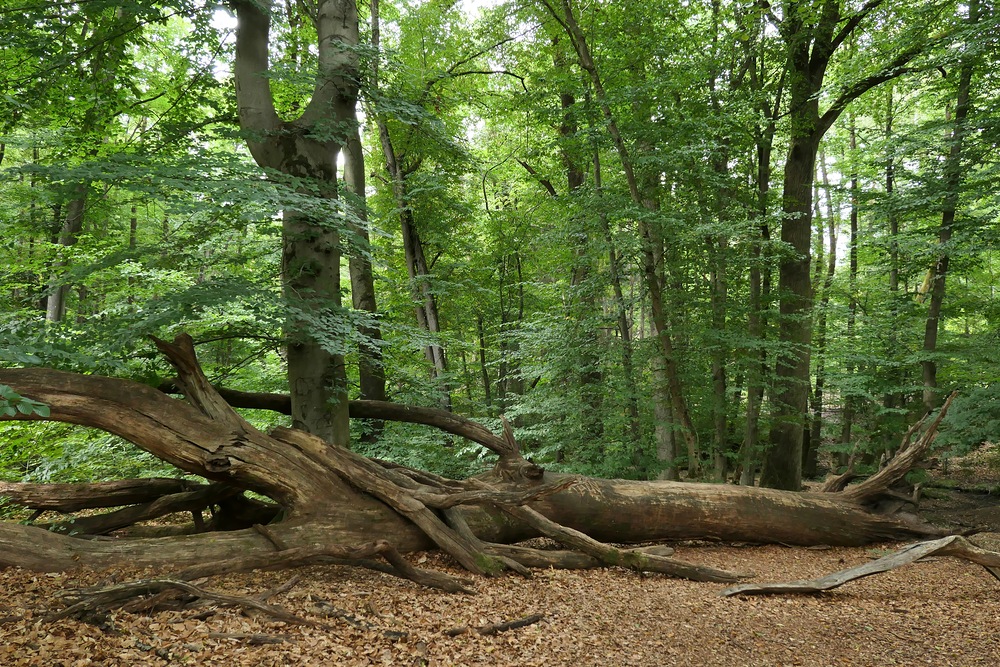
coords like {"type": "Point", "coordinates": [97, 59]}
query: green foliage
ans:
{"type": "Point", "coordinates": [129, 108]}
{"type": "Point", "coordinates": [12, 403]}
{"type": "Point", "coordinates": [50, 453]}
{"type": "Point", "coordinates": [972, 420]}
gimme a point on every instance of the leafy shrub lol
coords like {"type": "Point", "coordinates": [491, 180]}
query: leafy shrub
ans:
{"type": "Point", "coordinates": [974, 418]}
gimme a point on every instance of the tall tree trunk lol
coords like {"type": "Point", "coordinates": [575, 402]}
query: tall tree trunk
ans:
{"type": "Point", "coordinates": [483, 369]}
{"type": "Point", "coordinates": [583, 303]}
{"type": "Point", "coordinates": [811, 454]}
{"type": "Point", "coordinates": [720, 354]}
{"type": "Point", "coordinates": [952, 191]}
{"type": "Point", "coordinates": [893, 397]}
{"type": "Point", "coordinates": [650, 274]}
{"type": "Point", "coordinates": [811, 35]}
{"type": "Point", "coordinates": [621, 311]}
{"type": "Point", "coordinates": [584, 300]}
{"type": "Point", "coordinates": [718, 255]}
{"type": "Point", "coordinates": [310, 249]}
{"type": "Point", "coordinates": [370, 370]}
{"type": "Point", "coordinates": [99, 71]}
{"type": "Point", "coordinates": [783, 461]}
{"type": "Point", "coordinates": [849, 408]}
{"type": "Point", "coordinates": [663, 423]}
{"type": "Point", "coordinates": [760, 269]}
{"type": "Point", "coordinates": [425, 302]}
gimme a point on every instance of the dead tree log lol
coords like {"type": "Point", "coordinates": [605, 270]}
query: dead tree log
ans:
{"type": "Point", "coordinates": [332, 498]}
{"type": "Point", "coordinates": [953, 545]}
{"type": "Point", "coordinates": [75, 497]}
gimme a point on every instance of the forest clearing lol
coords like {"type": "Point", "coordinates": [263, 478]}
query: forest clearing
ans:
{"type": "Point", "coordinates": [499, 332]}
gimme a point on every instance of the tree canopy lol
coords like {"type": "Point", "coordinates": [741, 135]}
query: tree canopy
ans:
{"type": "Point", "coordinates": [710, 240]}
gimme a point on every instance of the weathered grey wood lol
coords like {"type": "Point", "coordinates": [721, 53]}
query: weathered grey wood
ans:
{"type": "Point", "coordinates": [953, 545]}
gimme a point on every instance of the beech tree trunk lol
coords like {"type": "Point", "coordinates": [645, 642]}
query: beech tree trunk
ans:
{"type": "Point", "coordinates": [310, 248]}
{"type": "Point", "coordinates": [425, 305]}
{"type": "Point", "coordinates": [650, 238]}
{"type": "Point", "coordinates": [812, 36]}
{"type": "Point", "coordinates": [55, 304]}
{"type": "Point", "coordinates": [952, 185]}
{"type": "Point", "coordinates": [330, 500]}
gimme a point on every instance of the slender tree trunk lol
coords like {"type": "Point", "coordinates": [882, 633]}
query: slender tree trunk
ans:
{"type": "Point", "coordinates": [652, 281]}
{"type": "Point", "coordinates": [583, 298]}
{"type": "Point", "coordinates": [621, 310]}
{"type": "Point", "coordinates": [663, 429]}
{"type": "Point", "coordinates": [483, 369]}
{"type": "Point", "coordinates": [425, 302]}
{"type": "Point", "coordinates": [760, 270]}
{"type": "Point", "coordinates": [370, 370]}
{"type": "Point", "coordinates": [893, 398]}
{"type": "Point", "coordinates": [720, 354]}
{"type": "Point", "coordinates": [952, 185]}
{"type": "Point", "coordinates": [811, 454]}
{"type": "Point", "coordinates": [847, 416]}
{"type": "Point", "coordinates": [718, 252]}
{"type": "Point", "coordinates": [55, 305]}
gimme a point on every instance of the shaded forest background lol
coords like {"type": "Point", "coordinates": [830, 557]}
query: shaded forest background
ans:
{"type": "Point", "coordinates": [710, 240]}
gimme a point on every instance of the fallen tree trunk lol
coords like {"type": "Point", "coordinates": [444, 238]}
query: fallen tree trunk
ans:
{"type": "Point", "coordinates": [75, 497]}
{"type": "Point", "coordinates": [331, 497]}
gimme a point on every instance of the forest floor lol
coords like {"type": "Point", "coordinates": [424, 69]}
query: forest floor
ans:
{"type": "Point", "coordinates": [941, 611]}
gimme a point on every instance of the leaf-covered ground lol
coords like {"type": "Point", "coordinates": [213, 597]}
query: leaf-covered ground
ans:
{"type": "Point", "coordinates": [938, 612]}
{"type": "Point", "coordinates": [943, 612]}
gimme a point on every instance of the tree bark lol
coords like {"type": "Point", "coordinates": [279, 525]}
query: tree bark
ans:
{"type": "Point", "coordinates": [55, 303]}
{"type": "Point", "coordinates": [847, 416]}
{"type": "Point", "coordinates": [310, 248]}
{"type": "Point", "coordinates": [810, 454]}
{"type": "Point", "coordinates": [812, 36]}
{"type": "Point", "coordinates": [952, 187]}
{"type": "Point", "coordinates": [371, 373]}
{"type": "Point", "coordinates": [653, 285]}
{"type": "Point", "coordinates": [424, 299]}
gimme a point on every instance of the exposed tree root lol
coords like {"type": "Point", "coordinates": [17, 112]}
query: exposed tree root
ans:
{"type": "Point", "coordinates": [187, 501]}
{"type": "Point", "coordinates": [312, 555]}
{"type": "Point", "coordinates": [85, 602]}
